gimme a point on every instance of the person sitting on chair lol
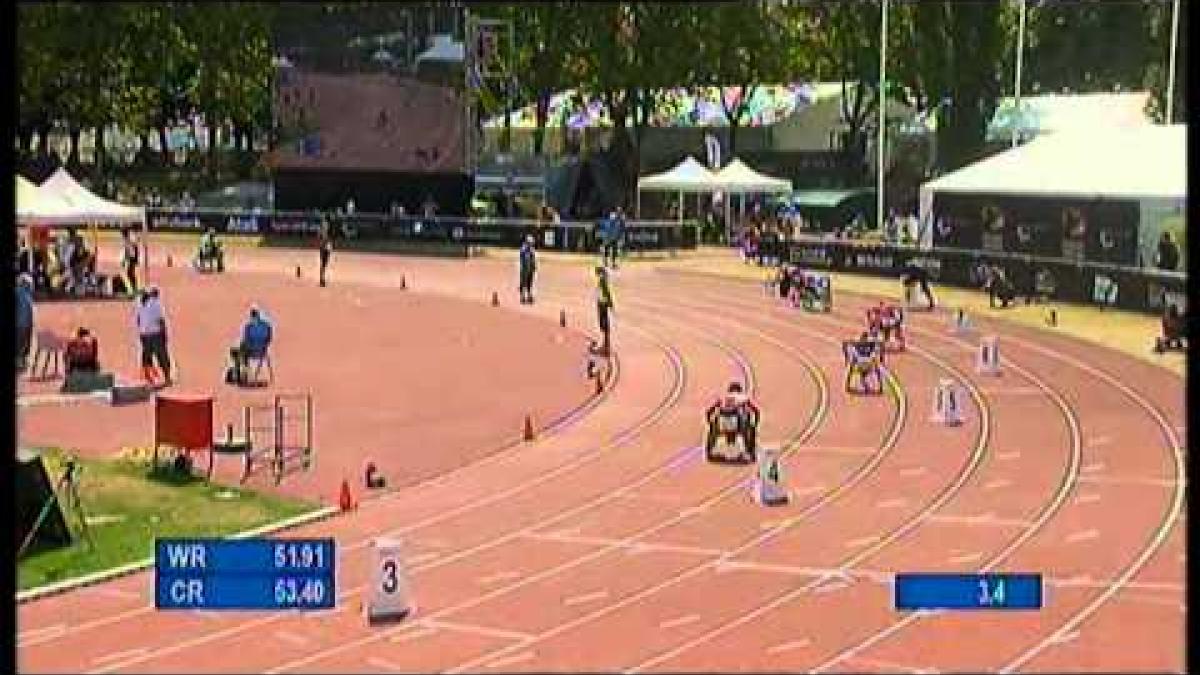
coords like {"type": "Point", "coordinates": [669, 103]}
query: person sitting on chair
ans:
{"type": "Point", "coordinates": [210, 254]}
{"type": "Point", "coordinates": [1000, 288]}
{"type": "Point", "coordinates": [256, 339]}
{"type": "Point", "coordinates": [82, 353]}
{"type": "Point", "coordinates": [1173, 331]}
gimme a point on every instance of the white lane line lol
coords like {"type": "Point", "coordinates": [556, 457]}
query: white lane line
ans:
{"type": "Point", "coordinates": [807, 490]}
{"type": "Point", "coordinates": [475, 629]}
{"type": "Point", "coordinates": [679, 621]}
{"type": "Point", "coordinates": [966, 558]}
{"type": "Point", "coordinates": [1119, 480]}
{"type": "Point", "coordinates": [1065, 637]}
{"type": "Point", "coordinates": [1087, 497]}
{"type": "Point", "coordinates": [997, 484]}
{"type": "Point", "coordinates": [1094, 467]}
{"type": "Point", "coordinates": [509, 660]}
{"type": "Point", "coordinates": [384, 664]}
{"type": "Point", "coordinates": [291, 638]}
{"type": "Point", "coordinates": [789, 646]}
{"type": "Point", "coordinates": [835, 450]}
{"type": "Point", "coordinates": [498, 576]}
{"type": "Point", "coordinates": [833, 585]}
{"type": "Point", "coordinates": [45, 632]}
{"type": "Point", "coordinates": [913, 471]}
{"type": "Point", "coordinates": [119, 593]}
{"type": "Point", "coordinates": [586, 597]}
{"type": "Point", "coordinates": [1097, 441]}
{"type": "Point", "coordinates": [892, 503]}
{"type": "Point", "coordinates": [1084, 535]}
{"type": "Point", "coordinates": [892, 666]}
{"type": "Point", "coordinates": [416, 634]}
{"type": "Point", "coordinates": [862, 541]}
{"type": "Point", "coordinates": [114, 656]}
{"type": "Point", "coordinates": [1008, 456]}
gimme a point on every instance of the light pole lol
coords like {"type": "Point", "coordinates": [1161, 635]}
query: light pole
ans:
{"type": "Point", "coordinates": [1016, 129]}
{"type": "Point", "coordinates": [879, 216]}
{"type": "Point", "coordinates": [1171, 64]}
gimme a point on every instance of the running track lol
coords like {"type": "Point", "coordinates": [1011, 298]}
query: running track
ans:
{"type": "Point", "coordinates": [608, 545]}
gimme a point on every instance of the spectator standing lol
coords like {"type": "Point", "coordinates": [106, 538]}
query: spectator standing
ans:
{"type": "Point", "coordinates": [152, 331]}
{"type": "Point", "coordinates": [24, 319]}
{"type": "Point", "coordinates": [325, 243]}
{"type": "Point", "coordinates": [604, 305]}
{"type": "Point", "coordinates": [528, 265]}
{"type": "Point", "coordinates": [1168, 253]}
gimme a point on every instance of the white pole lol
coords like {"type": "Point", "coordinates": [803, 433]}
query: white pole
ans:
{"type": "Point", "coordinates": [1171, 65]}
{"type": "Point", "coordinates": [879, 215]}
{"type": "Point", "coordinates": [1016, 129]}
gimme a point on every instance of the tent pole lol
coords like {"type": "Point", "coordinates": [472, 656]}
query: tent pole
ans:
{"type": "Point", "coordinates": [1171, 64]}
{"type": "Point", "coordinates": [681, 206]}
{"type": "Point", "coordinates": [1016, 129]}
{"type": "Point", "coordinates": [882, 113]}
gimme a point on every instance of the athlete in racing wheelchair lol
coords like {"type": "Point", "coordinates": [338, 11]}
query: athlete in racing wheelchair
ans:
{"type": "Point", "coordinates": [211, 255]}
{"type": "Point", "coordinates": [864, 358]}
{"type": "Point", "coordinates": [887, 322]}
{"type": "Point", "coordinates": [732, 416]}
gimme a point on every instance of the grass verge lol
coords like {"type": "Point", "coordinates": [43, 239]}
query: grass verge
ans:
{"type": "Point", "coordinates": [127, 508]}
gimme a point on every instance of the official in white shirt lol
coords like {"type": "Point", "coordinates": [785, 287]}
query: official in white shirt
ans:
{"type": "Point", "coordinates": [152, 331]}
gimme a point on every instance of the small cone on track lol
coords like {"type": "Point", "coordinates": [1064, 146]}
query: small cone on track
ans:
{"type": "Point", "coordinates": [1052, 317]}
{"type": "Point", "coordinates": [562, 318]}
{"type": "Point", "coordinates": [528, 428]}
{"type": "Point", "coordinates": [345, 499]}
{"type": "Point", "coordinates": [403, 283]}
{"type": "Point", "coordinates": [170, 262]}
{"type": "Point", "coordinates": [599, 384]}
{"type": "Point", "coordinates": [297, 271]}
{"type": "Point", "coordinates": [495, 299]}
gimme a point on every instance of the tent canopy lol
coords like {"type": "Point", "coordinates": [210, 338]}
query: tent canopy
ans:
{"type": "Point", "coordinates": [688, 176]}
{"type": "Point", "coordinates": [444, 48]}
{"type": "Point", "coordinates": [738, 177]}
{"type": "Point", "coordinates": [89, 207]}
{"type": "Point", "coordinates": [36, 206]}
{"type": "Point", "coordinates": [1134, 163]}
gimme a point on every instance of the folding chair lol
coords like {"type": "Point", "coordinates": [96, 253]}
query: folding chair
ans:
{"type": "Point", "coordinates": [52, 346]}
{"type": "Point", "coordinates": [259, 360]}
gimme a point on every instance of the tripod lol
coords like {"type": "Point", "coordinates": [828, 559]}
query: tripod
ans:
{"type": "Point", "coordinates": [72, 503]}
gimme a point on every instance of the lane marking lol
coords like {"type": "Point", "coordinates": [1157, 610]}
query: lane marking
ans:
{"type": "Point", "coordinates": [120, 655]}
{"type": "Point", "coordinates": [966, 558]}
{"type": "Point", "coordinates": [679, 621]}
{"type": "Point", "coordinates": [862, 541]}
{"type": "Point", "coordinates": [509, 660]}
{"type": "Point", "coordinates": [789, 646]}
{"type": "Point", "coordinates": [384, 664]}
{"type": "Point", "coordinates": [1087, 497]}
{"type": "Point", "coordinates": [836, 450]}
{"type": "Point", "coordinates": [997, 484]}
{"type": "Point", "coordinates": [1084, 535]}
{"type": "Point", "coordinates": [497, 577]}
{"type": "Point", "coordinates": [475, 629]}
{"type": "Point", "coordinates": [1093, 467]}
{"type": "Point", "coordinates": [893, 666]}
{"type": "Point", "coordinates": [892, 503]}
{"type": "Point", "coordinates": [416, 634]}
{"type": "Point", "coordinates": [1098, 441]}
{"type": "Point", "coordinates": [1120, 480]}
{"type": "Point", "coordinates": [913, 471]}
{"type": "Point", "coordinates": [586, 597]}
{"type": "Point", "coordinates": [1008, 456]}
{"type": "Point", "coordinates": [291, 638]}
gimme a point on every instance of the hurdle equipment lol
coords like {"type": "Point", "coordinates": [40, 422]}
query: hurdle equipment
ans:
{"type": "Point", "coordinates": [388, 597]}
{"type": "Point", "coordinates": [988, 357]}
{"type": "Point", "coordinates": [768, 487]}
{"type": "Point", "coordinates": [277, 436]}
{"type": "Point", "coordinates": [947, 404]}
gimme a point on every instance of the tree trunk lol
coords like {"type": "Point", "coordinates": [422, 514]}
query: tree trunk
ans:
{"type": "Point", "coordinates": [73, 155]}
{"type": "Point", "coordinates": [100, 150]}
{"type": "Point", "coordinates": [541, 113]}
{"type": "Point", "coordinates": [164, 144]}
{"type": "Point", "coordinates": [214, 136]}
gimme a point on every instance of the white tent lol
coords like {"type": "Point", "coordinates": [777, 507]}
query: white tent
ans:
{"type": "Point", "coordinates": [688, 176]}
{"type": "Point", "coordinates": [739, 178]}
{"type": "Point", "coordinates": [1146, 164]}
{"type": "Point", "coordinates": [444, 48]}
{"type": "Point", "coordinates": [39, 207]}
{"type": "Point", "coordinates": [89, 207]}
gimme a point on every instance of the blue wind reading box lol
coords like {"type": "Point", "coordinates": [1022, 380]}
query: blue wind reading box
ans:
{"type": "Point", "coordinates": [968, 591]}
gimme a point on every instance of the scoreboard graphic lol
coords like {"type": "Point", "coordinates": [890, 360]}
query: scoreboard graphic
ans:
{"type": "Point", "coordinates": [250, 574]}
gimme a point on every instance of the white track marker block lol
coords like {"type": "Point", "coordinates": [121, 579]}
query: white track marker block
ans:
{"type": "Point", "coordinates": [960, 323]}
{"type": "Point", "coordinates": [768, 487]}
{"type": "Point", "coordinates": [388, 597]}
{"type": "Point", "coordinates": [947, 403]}
{"type": "Point", "coordinates": [987, 361]}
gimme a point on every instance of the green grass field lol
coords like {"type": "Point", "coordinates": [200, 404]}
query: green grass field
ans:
{"type": "Point", "coordinates": [127, 509]}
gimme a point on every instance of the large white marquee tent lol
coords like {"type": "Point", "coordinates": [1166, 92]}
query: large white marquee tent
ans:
{"type": "Point", "coordinates": [690, 176]}
{"type": "Point", "coordinates": [1146, 164]}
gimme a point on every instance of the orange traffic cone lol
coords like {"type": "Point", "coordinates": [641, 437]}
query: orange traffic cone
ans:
{"type": "Point", "coordinates": [562, 318]}
{"type": "Point", "coordinates": [297, 271]}
{"type": "Point", "coordinates": [528, 428]}
{"type": "Point", "coordinates": [495, 299]}
{"type": "Point", "coordinates": [345, 499]}
{"type": "Point", "coordinates": [170, 263]}
{"type": "Point", "coordinates": [403, 283]}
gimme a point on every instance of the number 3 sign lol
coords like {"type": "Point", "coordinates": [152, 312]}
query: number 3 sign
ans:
{"type": "Point", "coordinates": [388, 596]}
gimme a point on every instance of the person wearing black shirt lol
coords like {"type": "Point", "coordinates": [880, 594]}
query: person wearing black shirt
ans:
{"type": "Point", "coordinates": [914, 275]}
{"type": "Point", "coordinates": [1168, 253]}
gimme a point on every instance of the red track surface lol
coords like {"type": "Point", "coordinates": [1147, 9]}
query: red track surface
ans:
{"type": "Point", "coordinates": [607, 545]}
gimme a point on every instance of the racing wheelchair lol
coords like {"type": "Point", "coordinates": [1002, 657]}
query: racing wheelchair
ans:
{"type": "Point", "coordinates": [732, 424]}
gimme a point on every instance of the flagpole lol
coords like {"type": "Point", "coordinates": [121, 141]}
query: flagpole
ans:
{"type": "Point", "coordinates": [1171, 66]}
{"type": "Point", "coordinates": [879, 215]}
{"type": "Point", "coordinates": [1016, 124]}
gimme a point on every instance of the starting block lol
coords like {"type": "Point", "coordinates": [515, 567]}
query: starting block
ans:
{"type": "Point", "coordinates": [767, 487]}
{"type": "Point", "coordinates": [947, 406]}
{"type": "Point", "coordinates": [388, 597]}
{"type": "Point", "coordinates": [988, 358]}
